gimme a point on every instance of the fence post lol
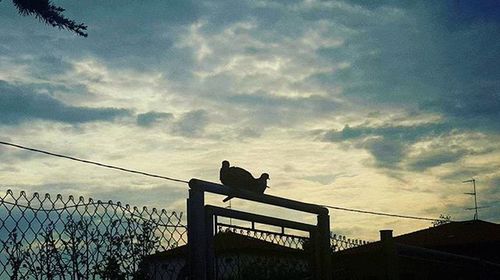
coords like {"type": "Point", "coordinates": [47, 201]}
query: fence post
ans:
{"type": "Point", "coordinates": [210, 230]}
{"type": "Point", "coordinates": [390, 258]}
{"type": "Point", "coordinates": [197, 235]}
{"type": "Point", "coordinates": [315, 253]}
{"type": "Point", "coordinates": [323, 240]}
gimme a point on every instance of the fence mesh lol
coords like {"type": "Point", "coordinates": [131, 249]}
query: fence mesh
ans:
{"type": "Point", "coordinates": [51, 237]}
{"type": "Point", "coordinates": [287, 256]}
{"type": "Point", "coordinates": [247, 252]}
{"type": "Point", "coordinates": [340, 242]}
{"type": "Point", "coordinates": [278, 238]}
{"type": "Point", "coordinates": [56, 237]}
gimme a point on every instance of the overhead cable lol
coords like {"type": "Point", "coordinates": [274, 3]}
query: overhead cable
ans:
{"type": "Point", "coordinates": [380, 213]}
{"type": "Point", "coordinates": [184, 181]}
{"type": "Point", "coordinates": [93, 162]}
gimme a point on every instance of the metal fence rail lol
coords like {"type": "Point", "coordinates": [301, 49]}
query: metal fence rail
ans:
{"type": "Point", "coordinates": [279, 238]}
{"type": "Point", "coordinates": [52, 237]}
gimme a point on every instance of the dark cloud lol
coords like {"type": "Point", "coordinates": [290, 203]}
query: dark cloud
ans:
{"type": "Point", "coordinates": [389, 144]}
{"type": "Point", "coordinates": [410, 133]}
{"type": "Point", "coordinates": [436, 158]}
{"type": "Point", "coordinates": [377, 4]}
{"type": "Point", "coordinates": [138, 33]}
{"type": "Point", "coordinates": [19, 104]}
{"type": "Point", "coordinates": [191, 124]}
{"type": "Point", "coordinates": [387, 152]}
{"type": "Point", "coordinates": [150, 118]}
{"type": "Point", "coordinates": [424, 57]}
{"type": "Point", "coordinates": [440, 59]}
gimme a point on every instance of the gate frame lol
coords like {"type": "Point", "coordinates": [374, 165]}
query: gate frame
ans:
{"type": "Point", "coordinates": [213, 211]}
{"type": "Point", "coordinates": [200, 231]}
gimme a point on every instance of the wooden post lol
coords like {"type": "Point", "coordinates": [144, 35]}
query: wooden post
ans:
{"type": "Point", "coordinates": [210, 230]}
{"type": "Point", "coordinates": [315, 254]}
{"type": "Point", "coordinates": [389, 255]}
{"type": "Point", "coordinates": [323, 240]}
{"type": "Point", "coordinates": [197, 235]}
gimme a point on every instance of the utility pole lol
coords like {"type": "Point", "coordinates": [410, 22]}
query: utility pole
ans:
{"type": "Point", "coordinates": [474, 193]}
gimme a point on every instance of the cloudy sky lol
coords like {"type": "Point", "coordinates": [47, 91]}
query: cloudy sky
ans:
{"type": "Point", "coordinates": [385, 107]}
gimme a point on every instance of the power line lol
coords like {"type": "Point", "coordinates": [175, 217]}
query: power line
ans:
{"type": "Point", "coordinates": [380, 213]}
{"type": "Point", "coordinates": [93, 162]}
{"type": "Point", "coordinates": [184, 181]}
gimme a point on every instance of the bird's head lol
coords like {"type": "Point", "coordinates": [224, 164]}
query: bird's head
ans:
{"type": "Point", "coordinates": [225, 164]}
{"type": "Point", "coordinates": [264, 177]}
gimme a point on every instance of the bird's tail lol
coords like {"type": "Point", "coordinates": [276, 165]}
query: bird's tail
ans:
{"type": "Point", "coordinates": [227, 198]}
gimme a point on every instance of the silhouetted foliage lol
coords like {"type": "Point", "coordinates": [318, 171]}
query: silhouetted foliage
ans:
{"type": "Point", "coordinates": [58, 259]}
{"type": "Point", "coordinates": [71, 257]}
{"type": "Point", "coordinates": [443, 219]}
{"type": "Point", "coordinates": [50, 264]}
{"type": "Point", "coordinates": [45, 11]}
{"type": "Point", "coordinates": [50, 237]}
{"type": "Point", "coordinates": [15, 253]}
{"type": "Point", "coordinates": [111, 269]}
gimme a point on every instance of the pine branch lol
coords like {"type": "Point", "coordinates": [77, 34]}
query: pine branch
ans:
{"type": "Point", "coordinates": [50, 14]}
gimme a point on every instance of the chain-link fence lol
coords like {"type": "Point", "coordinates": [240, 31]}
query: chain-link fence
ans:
{"type": "Point", "coordinates": [340, 242]}
{"type": "Point", "coordinates": [52, 237]}
{"type": "Point", "coordinates": [56, 237]}
{"type": "Point", "coordinates": [275, 254]}
{"type": "Point", "coordinates": [279, 238]}
{"type": "Point", "coordinates": [251, 253]}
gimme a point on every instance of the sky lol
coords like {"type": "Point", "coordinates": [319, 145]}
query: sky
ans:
{"type": "Point", "coordinates": [384, 106]}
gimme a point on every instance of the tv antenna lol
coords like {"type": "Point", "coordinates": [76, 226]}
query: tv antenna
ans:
{"type": "Point", "coordinates": [474, 193]}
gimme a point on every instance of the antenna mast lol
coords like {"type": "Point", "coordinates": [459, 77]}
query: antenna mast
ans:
{"type": "Point", "coordinates": [474, 193]}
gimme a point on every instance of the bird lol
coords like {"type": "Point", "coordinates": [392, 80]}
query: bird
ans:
{"type": "Point", "coordinates": [239, 178]}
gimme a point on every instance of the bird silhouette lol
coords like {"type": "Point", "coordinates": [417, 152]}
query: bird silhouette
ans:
{"type": "Point", "coordinates": [239, 178]}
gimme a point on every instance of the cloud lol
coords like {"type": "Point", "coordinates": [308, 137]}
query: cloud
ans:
{"type": "Point", "coordinates": [387, 152]}
{"type": "Point", "coordinates": [437, 158]}
{"type": "Point", "coordinates": [493, 189]}
{"type": "Point", "coordinates": [135, 33]}
{"type": "Point", "coordinates": [265, 73]}
{"type": "Point", "coordinates": [191, 124]}
{"type": "Point", "coordinates": [426, 58]}
{"type": "Point", "coordinates": [406, 133]}
{"type": "Point", "coordinates": [390, 144]}
{"type": "Point", "coordinates": [249, 133]}
{"type": "Point", "coordinates": [272, 110]}
{"type": "Point", "coordinates": [327, 179]}
{"type": "Point", "coordinates": [20, 104]}
{"type": "Point", "coordinates": [150, 118]}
